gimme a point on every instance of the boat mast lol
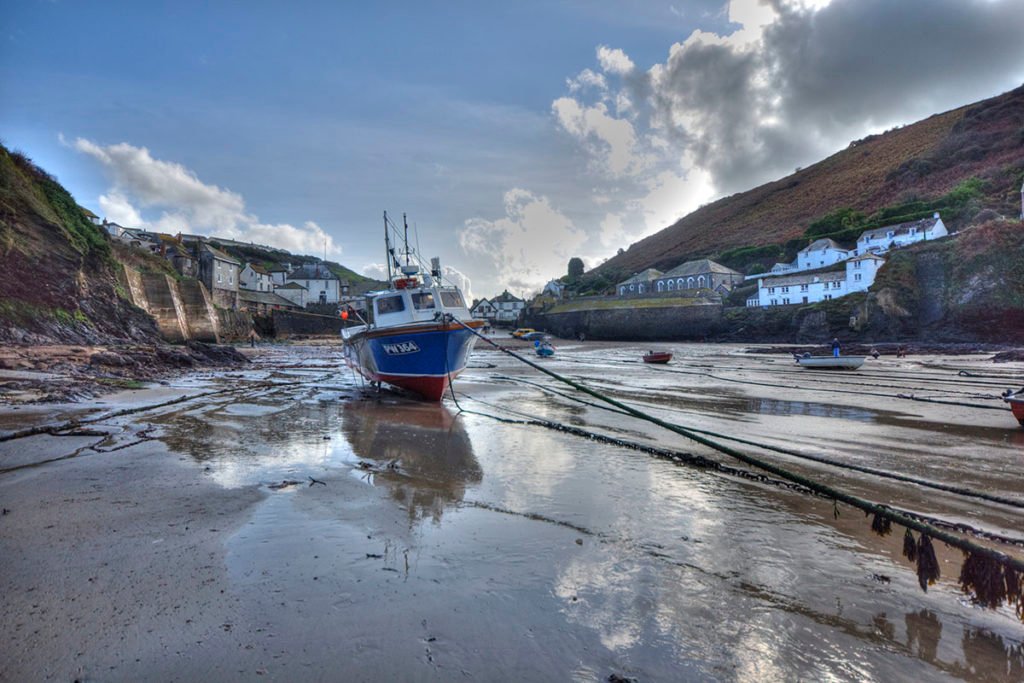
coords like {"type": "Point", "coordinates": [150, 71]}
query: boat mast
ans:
{"type": "Point", "coordinates": [405, 223]}
{"type": "Point", "coordinates": [387, 245]}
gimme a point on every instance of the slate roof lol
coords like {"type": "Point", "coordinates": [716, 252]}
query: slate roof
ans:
{"type": "Point", "coordinates": [258, 268]}
{"type": "Point", "coordinates": [218, 254]}
{"type": "Point", "coordinates": [291, 285]}
{"type": "Point", "coordinates": [268, 298]}
{"type": "Point", "coordinates": [312, 271]}
{"type": "Point", "coordinates": [699, 267]}
{"type": "Point", "coordinates": [506, 297]}
{"type": "Point", "coordinates": [805, 279]}
{"type": "Point", "coordinates": [823, 244]}
{"type": "Point", "coordinates": [643, 276]}
{"type": "Point", "coordinates": [899, 229]}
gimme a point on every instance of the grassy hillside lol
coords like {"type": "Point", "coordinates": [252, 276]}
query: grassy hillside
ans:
{"type": "Point", "coordinates": [906, 170]}
{"type": "Point", "coordinates": [57, 279]}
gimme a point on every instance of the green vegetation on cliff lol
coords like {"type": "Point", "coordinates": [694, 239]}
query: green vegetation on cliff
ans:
{"type": "Point", "coordinates": [57, 273]}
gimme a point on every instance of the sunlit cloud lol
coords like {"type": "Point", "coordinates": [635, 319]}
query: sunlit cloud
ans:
{"type": "Point", "coordinates": [168, 197]}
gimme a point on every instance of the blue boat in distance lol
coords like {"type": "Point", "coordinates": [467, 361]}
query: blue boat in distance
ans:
{"type": "Point", "coordinates": [418, 333]}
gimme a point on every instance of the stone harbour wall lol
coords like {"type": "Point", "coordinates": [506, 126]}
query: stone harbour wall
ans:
{"type": "Point", "coordinates": [667, 323]}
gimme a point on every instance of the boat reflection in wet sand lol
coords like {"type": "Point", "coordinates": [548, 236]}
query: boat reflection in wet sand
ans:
{"type": "Point", "coordinates": [418, 449]}
{"type": "Point", "coordinates": [830, 362]}
{"type": "Point", "coordinates": [1016, 401]}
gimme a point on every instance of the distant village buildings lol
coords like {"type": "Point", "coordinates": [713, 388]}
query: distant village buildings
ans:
{"type": "Point", "coordinates": [691, 275]}
{"type": "Point", "coordinates": [786, 285]}
{"type": "Point", "coordinates": [809, 288]}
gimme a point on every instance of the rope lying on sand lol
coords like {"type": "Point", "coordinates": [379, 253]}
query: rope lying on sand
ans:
{"type": "Point", "coordinates": [886, 474]}
{"type": "Point", "coordinates": [993, 576]}
{"type": "Point", "coordinates": [696, 460]}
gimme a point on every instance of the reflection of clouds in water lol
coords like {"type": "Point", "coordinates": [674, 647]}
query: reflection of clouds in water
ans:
{"type": "Point", "coordinates": [535, 470]}
{"type": "Point", "coordinates": [249, 443]}
{"type": "Point", "coordinates": [608, 600]}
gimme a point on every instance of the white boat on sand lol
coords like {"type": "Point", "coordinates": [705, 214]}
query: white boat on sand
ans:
{"type": "Point", "coordinates": [830, 362]}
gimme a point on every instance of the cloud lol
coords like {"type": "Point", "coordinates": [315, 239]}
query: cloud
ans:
{"type": "Point", "coordinates": [787, 83]}
{"type": "Point", "coordinates": [143, 185]}
{"type": "Point", "coordinates": [614, 61]}
{"type": "Point", "coordinates": [526, 247]}
{"type": "Point", "coordinates": [610, 140]}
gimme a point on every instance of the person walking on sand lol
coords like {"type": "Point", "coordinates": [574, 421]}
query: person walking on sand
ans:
{"type": "Point", "coordinates": [835, 347]}
{"type": "Point", "coordinates": [252, 339]}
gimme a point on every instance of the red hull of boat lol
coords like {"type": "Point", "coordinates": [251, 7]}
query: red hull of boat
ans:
{"type": "Point", "coordinates": [659, 358]}
{"type": "Point", "coordinates": [1017, 406]}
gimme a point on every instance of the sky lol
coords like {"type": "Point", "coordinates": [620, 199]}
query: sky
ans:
{"type": "Point", "coordinates": [514, 135]}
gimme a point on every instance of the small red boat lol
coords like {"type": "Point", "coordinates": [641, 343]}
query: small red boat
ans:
{"type": "Point", "coordinates": [1016, 401]}
{"type": "Point", "coordinates": [659, 357]}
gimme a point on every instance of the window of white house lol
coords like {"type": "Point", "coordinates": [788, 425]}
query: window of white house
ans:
{"type": "Point", "coordinates": [890, 233]}
{"type": "Point", "coordinates": [771, 290]}
{"type": "Point", "coordinates": [219, 278]}
{"type": "Point", "coordinates": [785, 289]}
{"type": "Point", "coordinates": [785, 302]}
{"type": "Point", "coordinates": [828, 297]}
{"type": "Point", "coordinates": [803, 288]}
{"type": "Point", "coordinates": [913, 231]}
{"type": "Point", "coordinates": [856, 264]}
{"type": "Point", "coordinates": [856, 276]}
{"type": "Point", "coordinates": [835, 285]}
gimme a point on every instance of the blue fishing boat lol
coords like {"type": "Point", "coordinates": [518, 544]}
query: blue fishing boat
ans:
{"type": "Point", "coordinates": [418, 333]}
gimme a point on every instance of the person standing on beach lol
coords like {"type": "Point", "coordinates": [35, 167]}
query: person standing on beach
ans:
{"type": "Point", "coordinates": [835, 347]}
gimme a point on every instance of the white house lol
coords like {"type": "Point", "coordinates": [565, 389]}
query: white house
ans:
{"type": "Point", "coordinates": [294, 292]}
{"type": "Point", "coordinates": [507, 307]}
{"type": "Point", "coordinates": [255, 278]}
{"type": "Point", "coordinates": [322, 285]}
{"type": "Point", "coordinates": [279, 274]}
{"type": "Point", "coordinates": [880, 240]}
{"type": "Point", "coordinates": [554, 288]}
{"type": "Point", "coordinates": [639, 283]}
{"type": "Point", "coordinates": [483, 310]}
{"type": "Point", "coordinates": [821, 253]}
{"type": "Point", "coordinates": [808, 288]}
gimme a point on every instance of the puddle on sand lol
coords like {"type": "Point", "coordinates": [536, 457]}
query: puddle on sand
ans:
{"type": "Point", "coordinates": [470, 548]}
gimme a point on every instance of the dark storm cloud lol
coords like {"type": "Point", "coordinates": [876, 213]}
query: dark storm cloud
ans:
{"type": "Point", "coordinates": [749, 112]}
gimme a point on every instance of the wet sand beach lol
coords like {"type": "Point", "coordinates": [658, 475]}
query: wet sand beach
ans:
{"type": "Point", "coordinates": [289, 523]}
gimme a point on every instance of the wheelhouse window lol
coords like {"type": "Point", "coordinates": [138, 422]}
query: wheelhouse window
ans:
{"type": "Point", "coordinates": [390, 304]}
{"type": "Point", "coordinates": [452, 300]}
{"type": "Point", "coordinates": [422, 300]}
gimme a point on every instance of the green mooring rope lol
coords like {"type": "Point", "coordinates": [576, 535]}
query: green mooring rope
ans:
{"type": "Point", "coordinates": [835, 494]}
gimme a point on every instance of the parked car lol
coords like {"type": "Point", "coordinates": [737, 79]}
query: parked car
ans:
{"type": "Point", "coordinates": [533, 336]}
{"type": "Point", "coordinates": [522, 331]}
